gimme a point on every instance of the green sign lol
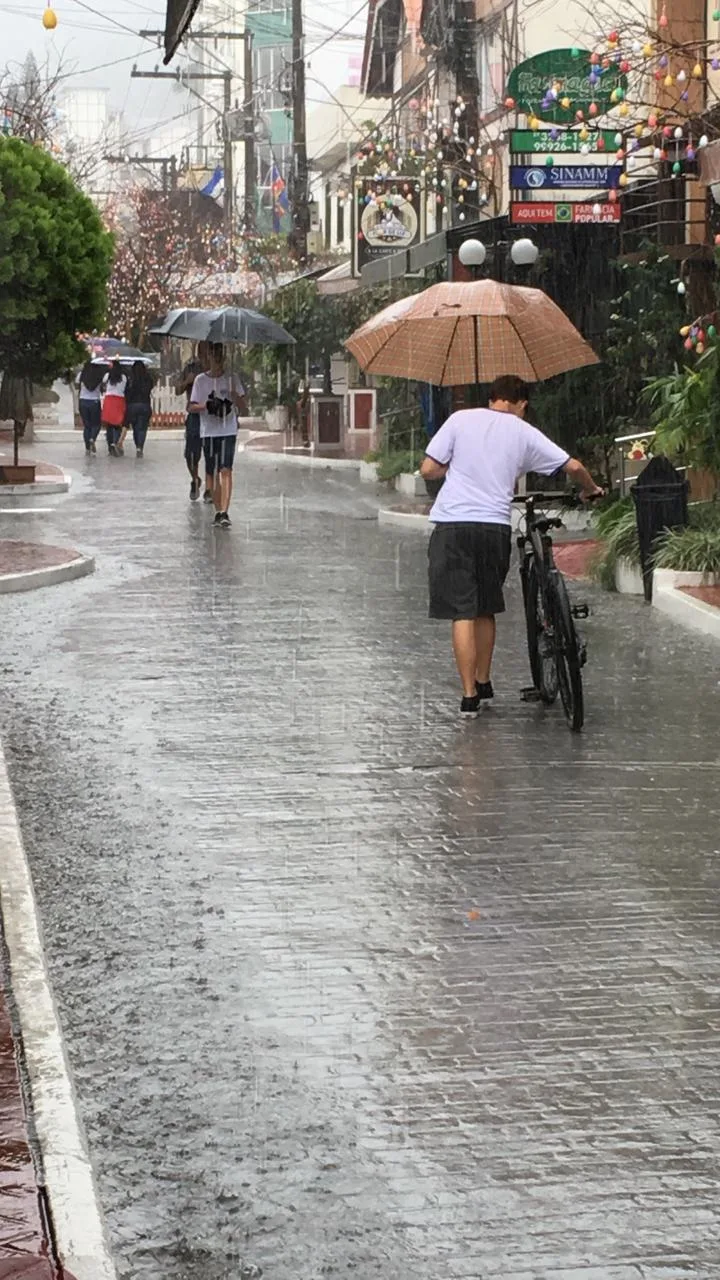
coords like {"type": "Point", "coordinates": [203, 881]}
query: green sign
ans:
{"type": "Point", "coordinates": [542, 141]}
{"type": "Point", "coordinates": [557, 84]}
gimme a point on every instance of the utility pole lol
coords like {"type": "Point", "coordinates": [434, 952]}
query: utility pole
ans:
{"type": "Point", "coordinates": [226, 77]}
{"type": "Point", "coordinates": [168, 164]}
{"type": "Point", "coordinates": [300, 206]}
{"type": "Point", "coordinates": [249, 135]}
{"type": "Point", "coordinates": [248, 115]}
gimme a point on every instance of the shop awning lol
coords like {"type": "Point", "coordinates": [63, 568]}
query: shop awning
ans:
{"type": "Point", "coordinates": [178, 16]}
{"type": "Point", "coordinates": [391, 267]}
{"type": "Point", "coordinates": [338, 280]}
{"type": "Point", "coordinates": [428, 253]}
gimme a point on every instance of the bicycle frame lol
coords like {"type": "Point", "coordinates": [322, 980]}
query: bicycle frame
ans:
{"type": "Point", "coordinates": [555, 650]}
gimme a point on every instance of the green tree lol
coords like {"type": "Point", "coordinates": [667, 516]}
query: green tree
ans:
{"type": "Point", "coordinates": [55, 260]}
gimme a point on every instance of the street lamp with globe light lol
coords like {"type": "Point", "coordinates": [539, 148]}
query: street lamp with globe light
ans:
{"type": "Point", "coordinates": [472, 254]}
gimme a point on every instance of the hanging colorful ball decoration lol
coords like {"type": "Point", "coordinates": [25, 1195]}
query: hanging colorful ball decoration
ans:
{"type": "Point", "coordinates": [49, 19]}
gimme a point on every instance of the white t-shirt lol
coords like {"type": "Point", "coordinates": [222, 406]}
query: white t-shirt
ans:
{"type": "Point", "coordinates": [487, 451]}
{"type": "Point", "coordinates": [114, 388]}
{"type": "Point", "coordinates": [87, 394]}
{"type": "Point", "coordinates": [224, 387]}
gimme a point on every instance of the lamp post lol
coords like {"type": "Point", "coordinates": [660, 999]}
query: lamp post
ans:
{"type": "Point", "coordinates": [472, 254]}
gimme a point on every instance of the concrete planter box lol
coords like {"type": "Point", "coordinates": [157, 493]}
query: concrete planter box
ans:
{"type": "Point", "coordinates": [369, 472]}
{"type": "Point", "coordinates": [667, 579]}
{"type": "Point", "coordinates": [278, 418]}
{"type": "Point", "coordinates": [678, 605]}
{"type": "Point", "coordinates": [628, 578]}
{"type": "Point", "coordinates": [411, 486]}
{"type": "Point", "coordinates": [23, 473]}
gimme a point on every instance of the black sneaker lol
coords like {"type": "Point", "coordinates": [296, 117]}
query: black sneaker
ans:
{"type": "Point", "coordinates": [194, 490]}
{"type": "Point", "coordinates": [218, 518]}
{"type": "Point", "coordinates": [470, 706]}
{"type": "Point", "coordinates": [138, 453]}
{"type": "Point", "coordinates": [225, 520]}
{"type": "Point", "coordinates": [484, 691]}
{"type": "Point", "coordinates": [93, 447]}
{"type": "Point", "coordinates": [207, 496]}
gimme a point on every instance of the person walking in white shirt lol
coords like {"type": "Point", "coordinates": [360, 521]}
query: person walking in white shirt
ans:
{"type": "Point", "coordinates": [481, 453]}
{"type": "Point", "coordinates": [218, 396]}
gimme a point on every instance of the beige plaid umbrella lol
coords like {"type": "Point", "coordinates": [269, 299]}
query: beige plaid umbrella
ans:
{"type": "Point", "coordinates": [455, 334]}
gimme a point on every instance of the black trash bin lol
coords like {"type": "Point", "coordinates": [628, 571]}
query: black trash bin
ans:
{"type": "Point", "coordinates": [660, 497]}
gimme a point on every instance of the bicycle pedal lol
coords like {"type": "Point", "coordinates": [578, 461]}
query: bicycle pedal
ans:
{"type": "Point", "coordinates": [531, 694]}
{"type": "Point", "coordinates": [580, 611]}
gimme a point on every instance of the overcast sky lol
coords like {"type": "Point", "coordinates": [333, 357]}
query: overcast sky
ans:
{"type": "Point", "coordinates": [93, 33]}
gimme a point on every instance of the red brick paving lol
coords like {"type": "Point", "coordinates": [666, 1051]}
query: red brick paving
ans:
{"type": "Point", "coordinates": [708, 595]}
{"type": "Point", "coordinates": [22, 557]}
{"type": "Point", "coordinates": [289, 442]}
{"type": "Point", "coordinates": [573, 558]}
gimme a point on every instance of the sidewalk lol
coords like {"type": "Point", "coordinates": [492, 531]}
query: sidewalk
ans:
{"type": "Point", "coordinates": [25, 1245]}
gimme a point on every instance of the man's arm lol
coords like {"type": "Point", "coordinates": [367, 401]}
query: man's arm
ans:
{"type": "Point", "coordinates": [196, 405]}
{"type": "Point", "coordinates": [432, 470]}
{"type": "Point", "coordinates": [438, 455]}
{"type": "Point", "coordinates": [239, 399]}
{"type": "Point", "coordinates": [183, 382]}
{"type": "Point", "coordinates": [580, 475]}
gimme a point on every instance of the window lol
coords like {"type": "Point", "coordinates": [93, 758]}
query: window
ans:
{"type": "Point", "coordinates": [340, 237]}
{"type": "Point", "coordinates": [491, 75]}
{"type": "Point", "coordinates": [271, 72]}
{"type": "Point", "coordinates": [268, 6]}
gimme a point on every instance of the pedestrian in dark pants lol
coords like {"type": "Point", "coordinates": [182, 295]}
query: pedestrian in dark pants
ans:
{"type": "Point", "coordinates": [193, 442]}
{"type": "Point", "coordinates": [139, 404]}
{"type": "Point", "coordinates": [88, 382]}
{"type": "Point", "coordinates": [114, 404]}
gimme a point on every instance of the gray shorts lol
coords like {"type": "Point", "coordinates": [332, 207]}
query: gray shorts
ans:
{"type": "Point", "coordinates": [468, 565]}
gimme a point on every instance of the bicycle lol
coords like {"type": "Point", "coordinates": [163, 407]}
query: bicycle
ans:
{"type": "Point", "coordinates": [557, 653]}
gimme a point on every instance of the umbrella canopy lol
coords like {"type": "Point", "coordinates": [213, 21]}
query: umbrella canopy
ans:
{"type": "Point", "coordinates": [455, 334]}
{"type": "Point", "coordinates": [224, 324]}
{"type": "Point", "coordinates": [114, 347]}
{"type": "Point", "coordinates": [124, 360]}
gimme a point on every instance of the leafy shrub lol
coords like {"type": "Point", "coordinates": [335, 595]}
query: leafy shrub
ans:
{"type": "Point", "coordinates": [621, 543]}
{"type": "Point", "coordinates": [391, 465]}
{"type": "Point", "coordinates": [611, 513]}
{"type": "Point", "coordinates": [704, 515]}
{"type": "Point", "coordinates": [373, 455]}
{"type": "Point", "coordinates": [689, 551]}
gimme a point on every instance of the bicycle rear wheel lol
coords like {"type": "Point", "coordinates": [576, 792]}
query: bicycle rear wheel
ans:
{"type": "Point", "coordinates": [567, 652]}
{"type": "Point", "coordinates": [541, 648]}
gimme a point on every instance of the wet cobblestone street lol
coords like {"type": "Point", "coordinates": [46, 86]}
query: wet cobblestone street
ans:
{"type": "Point", "coordinates": [349, 987]}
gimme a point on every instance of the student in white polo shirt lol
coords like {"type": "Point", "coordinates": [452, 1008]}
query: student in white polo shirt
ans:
{"type": "Point", "coordinates": [218, 396]}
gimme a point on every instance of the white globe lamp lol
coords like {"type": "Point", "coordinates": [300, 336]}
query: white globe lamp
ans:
{"type": "Point", "coordinates": [472, 253]}
{"type": "Point", "coordinates": [524, 253]}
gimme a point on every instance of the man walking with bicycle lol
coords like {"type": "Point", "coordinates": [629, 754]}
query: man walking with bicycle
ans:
{"type": "Point", "coordinates": [481, 453]}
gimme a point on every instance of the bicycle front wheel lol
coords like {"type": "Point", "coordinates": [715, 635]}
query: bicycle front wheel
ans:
{"type": "Point", "coordinates": [541, 649]}
{"type": "Point", "coordinates": [567, 653]}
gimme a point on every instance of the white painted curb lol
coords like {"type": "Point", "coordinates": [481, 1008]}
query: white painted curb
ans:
{"type": "Point", "coordinates": [68, 1172]}
{"type": "Point", "coordinates": [685, 609]}
{"type": "Point", "coordinates": [405, 520]}
{"type": "Point", "coordinates": [43, 487]}
{"type": "Point", "coordinates": [48, 577]}
{"type": "Point", "coordinates": [303, 460]}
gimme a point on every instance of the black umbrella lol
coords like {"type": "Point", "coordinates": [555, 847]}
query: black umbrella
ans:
{"type": "Point", "coordinates": [225, 324]}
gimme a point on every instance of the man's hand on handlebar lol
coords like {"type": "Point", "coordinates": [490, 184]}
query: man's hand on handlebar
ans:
{"type": "Point", "coordinates": [592, 495]}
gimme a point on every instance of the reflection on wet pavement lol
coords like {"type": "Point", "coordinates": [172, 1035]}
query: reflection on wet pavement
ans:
{"type": "Point", "coordinates": [351, 988]}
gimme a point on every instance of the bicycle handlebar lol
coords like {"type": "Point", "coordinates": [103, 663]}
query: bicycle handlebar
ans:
{"type": "Point", "coordinates": [565, 499]}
